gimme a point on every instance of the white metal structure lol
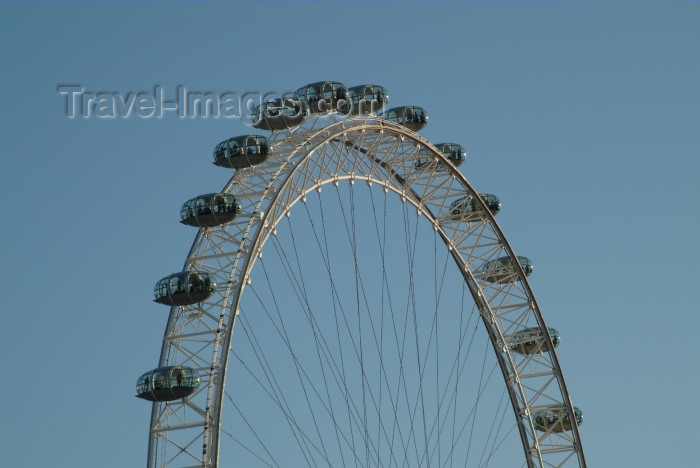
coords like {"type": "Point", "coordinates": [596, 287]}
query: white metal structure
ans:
{"type": "Point", "coordinates": [365, 333]}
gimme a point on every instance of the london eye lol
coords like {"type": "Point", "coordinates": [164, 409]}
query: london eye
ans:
{"type": "Point", "coordinates": [350, 300]}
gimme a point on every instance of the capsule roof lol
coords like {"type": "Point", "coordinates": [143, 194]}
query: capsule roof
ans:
{"type": "Point", "coordinates": [280, 114]}
{"type": "Point", "coordinates": [531, 340]}
{"type": "Point", "coordinates": [242, 151]}
{"type": "Point", "coordinates": [167, 383]}
{"type": "Point", "coordinates": [556, 419]}
{"type": "Point", "coordinates": [368, 99]}
{"type": "Point", "coordinates": [184, 288]}
{"type": "Point", "coordinates": [212, 209]}
{"type": "Point", "coordinates": [325, 96]}
{"type": "Point", "coordinates": [412, 117]}
{"type": "Point", "coordinates": [502, 270]}
{"type": "Point", "coordinates": [467, 209]}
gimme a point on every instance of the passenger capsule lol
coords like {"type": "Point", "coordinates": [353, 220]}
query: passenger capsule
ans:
{"type": "Point", "coordinates": [467, 209]}
{"type": "Point", "coordinates": [280, 114]}
{"type": "Point", "coordinates": [452, 151]}
{"type": "Point", "coordinates": [502, 270]}
{"type": "Point", "coordinates": [325, 96]}
{"type": "Point", "coordinates": [412, 117]}
{"type": "Point", "coordinates": [184, 288]}
{"type": "Point", "coordinates": [555, 419]}
{"type": "Point", "coordinates": [167, 383]}
{"type": "Point", "coordinates": [213, 209]}
{"type": "Point", "coordinates": [531, 340]}
{"type": "Point", "coordinates": [242, 151]}
{"type": "Point", "coordinates": [368, 99]}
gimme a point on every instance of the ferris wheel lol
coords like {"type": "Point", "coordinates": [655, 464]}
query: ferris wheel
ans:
{"type": "Point", "coordinates": [350, 300]}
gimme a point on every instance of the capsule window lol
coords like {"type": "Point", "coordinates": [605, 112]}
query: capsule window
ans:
{"type": "Point", "coordinates": [160, 380]}
{"type": "Point", "coordinates": [232, 148]}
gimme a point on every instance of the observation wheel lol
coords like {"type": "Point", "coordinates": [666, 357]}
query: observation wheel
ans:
{"type": "Point", "coordinates": [350, 300]}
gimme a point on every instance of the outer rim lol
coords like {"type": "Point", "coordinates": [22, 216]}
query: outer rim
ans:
{"type": "Point", "coordinates": [271, 183]}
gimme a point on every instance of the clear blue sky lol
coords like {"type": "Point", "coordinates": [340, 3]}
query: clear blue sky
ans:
{"type": "Point", "coordinates": [583, 117]}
